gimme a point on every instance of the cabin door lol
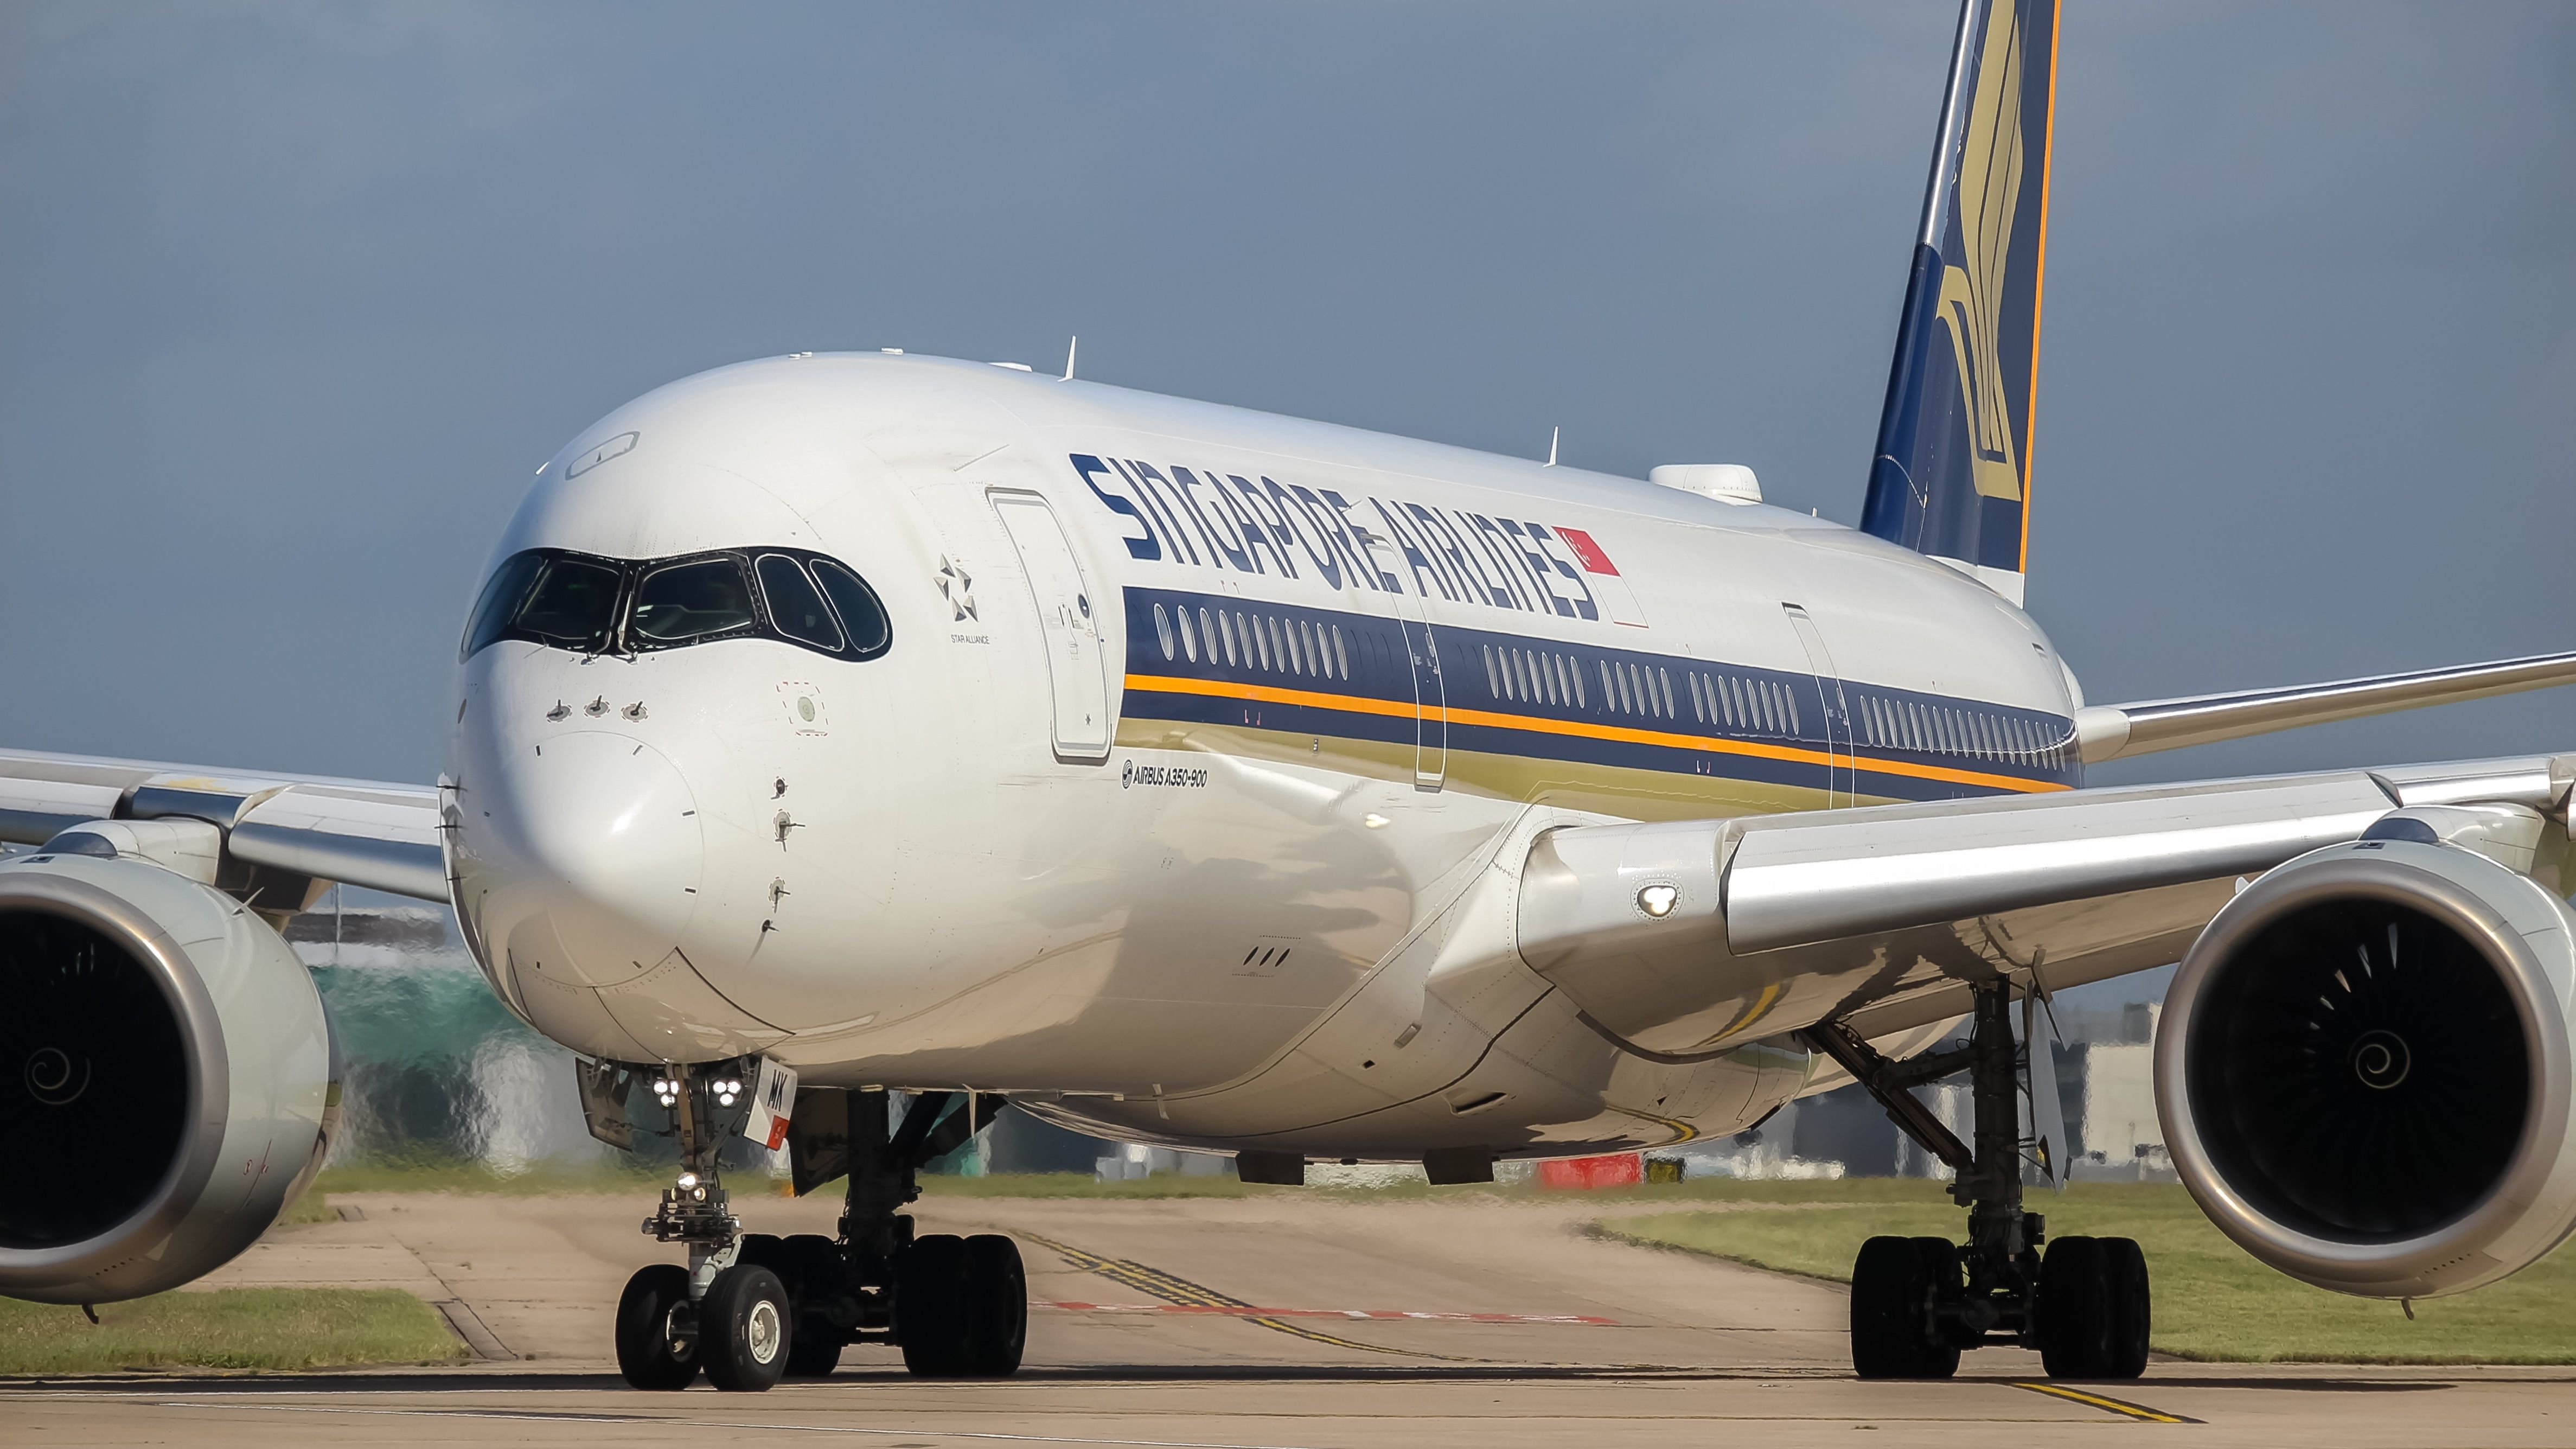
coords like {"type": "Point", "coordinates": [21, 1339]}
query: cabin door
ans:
{"type": "Point", "coordinates": [1834, 710]}
{"type": "Point", "coordinates": [1422, 648]}
{"type": "Point", "coordinates": [1068, 622]}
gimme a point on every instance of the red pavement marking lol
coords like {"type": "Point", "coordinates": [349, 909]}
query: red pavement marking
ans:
{"type": "Point", "coordinates": [1228, 1310]}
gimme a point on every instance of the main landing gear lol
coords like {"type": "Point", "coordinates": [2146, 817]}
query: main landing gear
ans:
{"type": "Point", "coordinates": [753, 1308]}
{"type": "Point", "coordinates": [1917, 1302]}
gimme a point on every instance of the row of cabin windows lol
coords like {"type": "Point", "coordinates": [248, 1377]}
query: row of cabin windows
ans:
{"type": "Point", "coordinates": [1939, 729]}
{"type": "Point", "coordinates": [1755, 706]}
{"type": "Point", "coordinates": [1256, 641]}
{"type": "Point", "coordinates": [1531, 676]}
{"type": "Point", "coordinates": [1637, 689]}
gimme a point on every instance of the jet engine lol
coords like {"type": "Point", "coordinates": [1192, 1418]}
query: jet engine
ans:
{"type": "Point", "coordinates": [2363, 1065]}
{"type": "Point", "coordinates": [167, 1077]}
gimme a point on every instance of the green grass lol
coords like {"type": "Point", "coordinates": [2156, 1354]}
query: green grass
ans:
{"type": "Point", "coordinates": [232, 1328]}
{"type": "Point", "coordinates": [440, 1175]}
{"type": "Point", "coordinates": [2212, 1300]}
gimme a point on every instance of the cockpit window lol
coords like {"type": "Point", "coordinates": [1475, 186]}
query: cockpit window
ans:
{"type": "Point", "coordinates": [501, 599]}
{"type": "Point", "coordinates": [600, 605]}
{"type": "Point", "coordinates": [794, 607]}
{"type": "Point", "coordinates": [572, 606]}
{"type": "Point", "coordinates": [691, 603]}
{"type": "Point", "coordinates": [861, 614]}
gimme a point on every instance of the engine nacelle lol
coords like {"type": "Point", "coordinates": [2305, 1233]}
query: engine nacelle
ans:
{"type": "Point", "coordinates": [167, 1078]}
{"type": "Point", "coordinates": [2363, 1067]}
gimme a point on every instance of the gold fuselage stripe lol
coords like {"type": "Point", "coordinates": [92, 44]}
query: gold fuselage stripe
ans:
{"type": "Point", "coordinates": [1397, 709]}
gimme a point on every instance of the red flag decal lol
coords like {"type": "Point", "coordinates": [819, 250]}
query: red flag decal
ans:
{"type": "Point", "coordinates": [1587, 553]}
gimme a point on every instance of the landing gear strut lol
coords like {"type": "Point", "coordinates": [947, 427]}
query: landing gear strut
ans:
{"type": "Point", "coordinates": [1917, 1302]}
{"type": "Point", "coordinates": [752, 1308]}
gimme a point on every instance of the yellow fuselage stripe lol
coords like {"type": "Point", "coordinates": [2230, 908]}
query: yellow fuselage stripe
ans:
{"type": "Point", "coordinates": [1397, 709]}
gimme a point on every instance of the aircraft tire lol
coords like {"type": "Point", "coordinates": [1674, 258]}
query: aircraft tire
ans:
{"type": "Point", "coordinates": [2131, 1317]}
{"type": "Point", "coordinates": [644, 1353]}
{"type": "Point", "coordinates": [1889, 1301]}
{"type": "Point", "coordinates": [2075, 1310]}
{"type": "Point", "coordinates": [745, 1325]}
{"type": "Point", "coordinates": [996, 1318]}
{"type": "Point", "coordinates": [811, 1267]}
{"type": "Point", "coordinates": [1937, 1259]}
{"type": "Point", "coordinates": [930, 1320]}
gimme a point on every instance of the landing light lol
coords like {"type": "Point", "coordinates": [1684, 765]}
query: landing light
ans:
{"type": "Point", "coordinates": [1658, 900]}
{"type": "Point", "coordinates": [688, 1180]}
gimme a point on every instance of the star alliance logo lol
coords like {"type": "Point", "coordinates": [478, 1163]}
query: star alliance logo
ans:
{"type": "Point", "coordinates": [957, 587]}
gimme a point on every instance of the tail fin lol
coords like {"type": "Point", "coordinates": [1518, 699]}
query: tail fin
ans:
{"type": "Point", "coordinates": [1952, 472]}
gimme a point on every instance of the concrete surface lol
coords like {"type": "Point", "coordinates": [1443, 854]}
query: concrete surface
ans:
{"type": "Point", "coordinates": [1148, 1333]}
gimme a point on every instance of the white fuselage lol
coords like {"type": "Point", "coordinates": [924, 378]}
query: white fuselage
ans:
{"type": "Point", "coordinates": [1194, 723]}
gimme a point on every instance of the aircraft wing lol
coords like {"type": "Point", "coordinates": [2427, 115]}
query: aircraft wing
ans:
{"type": "Point", "coordinates": [2108, 732]}
{"type": "Point", "coordinates": [361, 832]}
{"type": "Point", "coordinates": [1689, 937]}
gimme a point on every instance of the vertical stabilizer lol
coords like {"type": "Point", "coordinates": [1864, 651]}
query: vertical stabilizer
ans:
{"type": "Point", "coordinates": [1952, 473]}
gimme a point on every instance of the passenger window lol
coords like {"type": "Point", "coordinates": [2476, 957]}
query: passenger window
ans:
{"type": "Point", "coordinates": [863, 619]}
{"type": "Point", "coordinates": [1341, 655]}
{"type": "Point", "coordinates": [689, 602]}
{"type": "Point", "coordinates": [572, 606]}
{"type": "Point", "coordinates": [1225, 622]}
{"type": "Point", "coordinates": [1189, 641]}
{"type": "Point", "coordinates": [1163, 631]}
{"type": "Point", "coordinates": [799, 611]}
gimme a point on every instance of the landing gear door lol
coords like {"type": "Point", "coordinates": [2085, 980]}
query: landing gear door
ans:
{"type": "Point", "coordinates": [1430, 692]}
{"type": "Point", "coordinates": [1835, 709]}
{"type": "Point", "coordinates": [1068, 622]}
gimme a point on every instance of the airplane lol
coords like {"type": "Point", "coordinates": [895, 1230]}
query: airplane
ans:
{"type": "Point", "coordinates": [846, 746]}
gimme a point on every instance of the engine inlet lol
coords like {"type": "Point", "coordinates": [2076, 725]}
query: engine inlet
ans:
{"type": "Point", "coordinates": [92, 1074]}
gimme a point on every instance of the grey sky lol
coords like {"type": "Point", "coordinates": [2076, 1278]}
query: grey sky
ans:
{"type": "Point", "coordinates": [294, 298]}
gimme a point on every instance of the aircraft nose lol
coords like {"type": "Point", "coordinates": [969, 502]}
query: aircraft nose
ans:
{"type": "Point", "coordinates": [605, 836]}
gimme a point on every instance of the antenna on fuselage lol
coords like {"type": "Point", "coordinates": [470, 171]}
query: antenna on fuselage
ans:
{"type": "Point", "coordinates": [1069, 349]}
{"type": "Point", "coordinates": [1551, 445]}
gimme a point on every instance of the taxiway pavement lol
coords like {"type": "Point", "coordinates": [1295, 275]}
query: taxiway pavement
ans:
{"type": "Point", "coordinates": [1413, 1323]}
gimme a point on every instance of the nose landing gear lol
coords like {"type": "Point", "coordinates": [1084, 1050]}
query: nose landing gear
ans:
{"type": "Point", "coordinates": [720, 1314]}
{"type": "Point", "coordinates": [1917, 1302]}
{"type": "Point", "coordinates": [751, 1309]}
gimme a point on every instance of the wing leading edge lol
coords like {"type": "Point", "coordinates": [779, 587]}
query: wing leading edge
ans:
{"type": "Point", "coordinates": [360, 832]}
{"type": "Point", "coordinates": [2108, 732]}
{"type": "Point", "coordinates": [1693, 936]}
